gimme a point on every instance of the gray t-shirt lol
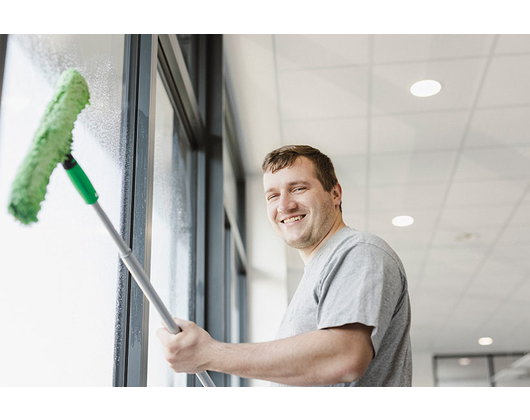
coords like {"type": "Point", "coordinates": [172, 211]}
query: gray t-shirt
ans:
{"type": "Point", "coordinates": [357, 277]}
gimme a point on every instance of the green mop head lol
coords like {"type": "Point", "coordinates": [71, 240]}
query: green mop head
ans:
{"type": "Point", "coordinates": [51, 145]}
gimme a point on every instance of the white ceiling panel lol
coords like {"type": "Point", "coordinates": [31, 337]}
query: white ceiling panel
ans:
{"type": "Point", "coordinates": [499, 127]}
{"type": "Point", "coordinates": [510, 44]}
{"type": "Point", "coordinates": [527, 197]}
{"type": "Point", "coordinates": [468, 219]}
{"type": "Point", "coordinates": [522, 292]}
{"type": "Point", "coordinates": [329, 93]}
{"type": "Point", "coordinates": [398, 197]}
{"type": "Point", "coordinates": [521, 216]}
{"type": "Point", "coordinates": [515, 235]}
{"type": "Point", "coordinates": [407, 133]}
{"type": "Point", "coordinates": [399, 48]}
{"type": "Point", "coordinates": [349, 96]}
{"type": "Point", "coordinates": [381, 220]}
{"type": "Point", "coordinates": [515, 255]}
{"type": "Point", "coordinates": [350, 170]}
{"type": "Point", "coordinates": [309, 51]}
{"type": "Point", "coordinates": [333, 137]}
{"type": "Point", "coordinates": [451, 236]}
{"type": "Point", "coordinates": [411, 168]}
{"type": "Point", "coordinates": [492, 164]}
{"type": "Point", "coordinates": [504, 192]}
{"type": "Point", "coordinates": [353, 199]}
{"type": "Point", "coordinates": [507, 82]}
{"type": "Point", "coordinates": [459, 79]}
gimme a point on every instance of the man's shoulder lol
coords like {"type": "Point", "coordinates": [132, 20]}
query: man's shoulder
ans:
{"type": "Point", "coordinates": [349, 237]}
{"type": "Point", "coordinates": [352, 240]}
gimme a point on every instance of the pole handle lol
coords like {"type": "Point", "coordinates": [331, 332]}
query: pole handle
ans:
{"type": "Point", "coordinates": [89, 194]}
{"type": "Point", "coordinates": [143, 282]}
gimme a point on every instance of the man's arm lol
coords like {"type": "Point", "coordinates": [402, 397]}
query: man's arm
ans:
{"type": "Point", "coordinates": [322, 357]}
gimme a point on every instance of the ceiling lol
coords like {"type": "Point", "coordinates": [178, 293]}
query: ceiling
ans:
{"type": "Point", "coordinates": [458, 162]}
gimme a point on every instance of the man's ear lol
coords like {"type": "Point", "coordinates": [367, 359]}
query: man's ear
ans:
{"type": "Point", "coordinates": [336, 193]}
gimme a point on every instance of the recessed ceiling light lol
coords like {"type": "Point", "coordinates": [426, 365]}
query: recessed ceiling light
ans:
{"type": "Point", "coordinates": [402, 221]}
{"type": "Point", "coordinates": [485, 341]}
{"type": "Point", "coordinates": [464, 361]}
{"type": "Point", "coordinates": [425, 88]}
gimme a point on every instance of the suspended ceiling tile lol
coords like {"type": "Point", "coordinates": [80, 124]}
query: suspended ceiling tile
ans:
{"type": "Point", "coordinates": [399, 48]}
{"type": "Point", "coordinates": [483, 193]}
{"type": "Point", "coordinates": [510, 44]}
{"type": "Point", "coordinates": [453, 236]}
{"type": "Point", "coordinates": [381, 221]}
{"type": "Point", "coordinates": [471, 218]}
{"type": "Point", "coordinates": [332, 137]}
{"type": "Point", "coordinates": [309, 51]}
{"type": "Point", "coordinates": [350, 171]}
{"type": "Point", "coordinates": [401, 133]}
{"type": "Point", "coordinates": [499, 127]}
{"type": "Point", "coordinates": [459, 79]}
{"type": "Point", "coordinates": [521, 216]}
{"type": "Point", "coordinates": [328, 93]}
{"type": "Point", "coordinates": [516, 235]}
{"type": "Point", "coordinates": [492, 164]}
{"type": "Point", "coordinates": [353, 199]}
{"type": "Point", "coordinates": [411, 196]}
{"type": "Point", "coordinates": [507, 82]}
{"type": "Point", "coordinates": [514, 255]}
{"type": "Point", "coordinates": [411, 168]}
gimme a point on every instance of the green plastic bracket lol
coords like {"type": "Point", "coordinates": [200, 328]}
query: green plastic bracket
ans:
{"type": "Point", "coordinates": [82, 183]}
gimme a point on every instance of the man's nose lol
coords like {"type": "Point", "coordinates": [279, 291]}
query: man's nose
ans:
{"type": "Point", "coordinates": [286, 204]}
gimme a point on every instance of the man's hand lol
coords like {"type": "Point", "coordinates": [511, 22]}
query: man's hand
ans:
{"type": "Point", "coordinates": [188, 351]}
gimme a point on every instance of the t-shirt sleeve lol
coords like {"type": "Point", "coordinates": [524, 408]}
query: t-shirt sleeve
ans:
{"type": "Point", "coordinates": [360, 285]}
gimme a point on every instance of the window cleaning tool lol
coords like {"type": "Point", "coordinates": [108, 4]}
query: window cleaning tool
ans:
{"type": "Point", "coordinates": [52, 145]}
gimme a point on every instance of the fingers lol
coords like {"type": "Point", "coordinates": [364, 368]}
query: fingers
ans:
{"type": "Point", "coordinates": [166, 337]}
{"type": "Point", "coordinates": [185, 351]}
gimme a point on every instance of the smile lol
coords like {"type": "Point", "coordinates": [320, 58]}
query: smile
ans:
{"type": "Point", "coordinates": [293, 219]}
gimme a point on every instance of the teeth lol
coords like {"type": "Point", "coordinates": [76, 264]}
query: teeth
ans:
{"type": "Point", "coordinates": [292, 219]}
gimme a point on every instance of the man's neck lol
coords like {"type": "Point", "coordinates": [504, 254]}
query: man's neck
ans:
{"type": "Point", "coordinates": [308, 253]}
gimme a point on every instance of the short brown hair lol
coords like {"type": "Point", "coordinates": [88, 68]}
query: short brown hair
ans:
{"type": "Point", "coordinates": [285, 156]}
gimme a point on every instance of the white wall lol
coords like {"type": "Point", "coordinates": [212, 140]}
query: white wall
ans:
{"type": "Point", "coordinates": [267, 270]}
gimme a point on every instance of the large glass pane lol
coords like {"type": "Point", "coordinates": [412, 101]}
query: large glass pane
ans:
{"type": "Point", "coordinates": [59, 276]}
{"type": "Point", "coordinates": [468, 371]}
{"type": "Point", "coordinates": [172, 232]}
{"type": "Point", "coordinates": [509, 373]}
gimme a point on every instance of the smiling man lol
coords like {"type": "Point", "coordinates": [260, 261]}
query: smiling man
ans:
{"type": "Point", "coordinates": [349, 320]}
{"type": "Point", "coordinates": [303, 212]}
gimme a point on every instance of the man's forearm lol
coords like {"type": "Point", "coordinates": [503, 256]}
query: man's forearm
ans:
{"type": "Point", "coordinates": [320, 357]}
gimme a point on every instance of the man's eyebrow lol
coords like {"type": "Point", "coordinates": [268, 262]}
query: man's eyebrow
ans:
{"type": "Point", "coordinates": [290, 184]}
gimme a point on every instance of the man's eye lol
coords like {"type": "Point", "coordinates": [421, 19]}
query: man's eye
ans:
{"type": "Point", "coordinates": [299, 189]}
{"type": "Point", "coordinates": [270, 197]}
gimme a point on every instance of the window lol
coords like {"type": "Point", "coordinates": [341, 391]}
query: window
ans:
{"type": "Point", "coordinates": [481, 370]}
{"type": "Point", "coordinates": [172, 271]}
{"type": "Point", "coordinates": [60, 275]}
{"type": "Point", "coordinates": [151, 146]}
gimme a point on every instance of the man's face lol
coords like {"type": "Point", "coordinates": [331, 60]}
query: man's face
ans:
{"type": "Point", "coordinates": [301, 212]}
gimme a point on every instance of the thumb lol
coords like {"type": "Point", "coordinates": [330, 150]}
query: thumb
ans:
{"type": "Point", "coordinates": [182, 323]}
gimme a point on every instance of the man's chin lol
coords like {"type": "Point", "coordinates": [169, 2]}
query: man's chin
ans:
{"type": "Point", "coordinates": [296, 243]}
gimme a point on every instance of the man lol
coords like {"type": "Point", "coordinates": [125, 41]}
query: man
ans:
{"type": "Point", "coordinates": [348, 322]}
